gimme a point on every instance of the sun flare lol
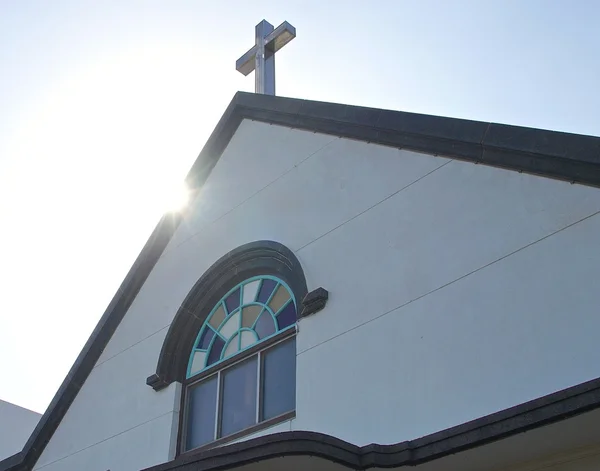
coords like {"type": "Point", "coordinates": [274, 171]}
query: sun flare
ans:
{"type": "Point", "coordinates": [167, 198]}
{"type": "Point", "coordinates": [176, 198]}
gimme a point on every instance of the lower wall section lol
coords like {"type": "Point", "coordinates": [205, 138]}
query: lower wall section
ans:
{"type": "Point", "coordinates": [135, 449]}
{"type": "Point", "coordinates": [518, 329]}
{"type": "Point", "coordinates": [282, 427]}
{"type": "Point", "coordinates": [581, 460]}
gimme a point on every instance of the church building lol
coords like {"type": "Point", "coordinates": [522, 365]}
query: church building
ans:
{"type": "Point", "coordinates": [351, 289]}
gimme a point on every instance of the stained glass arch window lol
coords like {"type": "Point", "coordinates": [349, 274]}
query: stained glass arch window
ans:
{"type": "Point", "coordinates": [232, 346]}
{"type": "Point", "coordinates": [241, 372]}
{"type": "Point", "coordinates": [254, 310]}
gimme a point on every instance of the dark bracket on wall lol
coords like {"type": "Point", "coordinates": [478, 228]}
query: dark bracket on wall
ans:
{"type": "Point", "coordinates": [314, 302]}
{"type": "Point", "coordinates": [156, 382]}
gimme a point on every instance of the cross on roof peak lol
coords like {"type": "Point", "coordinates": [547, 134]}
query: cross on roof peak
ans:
{"type": "Point", "coordinates": [261, 56]}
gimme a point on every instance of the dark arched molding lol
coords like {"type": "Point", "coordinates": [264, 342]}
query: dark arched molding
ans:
{"type": "Point", "coordinates": [256, 258]}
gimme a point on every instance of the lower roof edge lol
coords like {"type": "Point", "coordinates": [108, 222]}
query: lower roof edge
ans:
{"type": "Point", "coordinates": [510, 422]}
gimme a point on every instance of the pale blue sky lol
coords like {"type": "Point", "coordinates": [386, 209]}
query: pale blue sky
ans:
{"type": "Point", "coordinates": [105, 105]}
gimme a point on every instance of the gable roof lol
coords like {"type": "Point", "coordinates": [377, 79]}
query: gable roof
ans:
{"type": "Point", "coordinates": [563, 156]}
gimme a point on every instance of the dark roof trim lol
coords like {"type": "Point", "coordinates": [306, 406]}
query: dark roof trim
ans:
{"type": "Point", "coordinates": [528, 416]}
{"type": "Point", "coordinates": [558, 155]}
{"type": "Point", "coordinates": [570, 157]}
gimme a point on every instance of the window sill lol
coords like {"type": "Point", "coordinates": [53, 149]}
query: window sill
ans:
{"type": "Point", "coordinates": [242, 433]}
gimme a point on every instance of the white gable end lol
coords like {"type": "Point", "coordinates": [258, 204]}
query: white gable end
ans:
{"type": "Point", "coordinates": [452, 288]}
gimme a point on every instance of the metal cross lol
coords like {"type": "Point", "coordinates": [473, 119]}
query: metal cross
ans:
{"type": "Point", "coordinates": [262, 55]}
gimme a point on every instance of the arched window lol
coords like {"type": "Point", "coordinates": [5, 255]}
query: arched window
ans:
{"type": "Point", "coordinates": [232, 345]}
{"type": "Point", "coordinates": [242, 368]}
{"type": "Point", "coordinates": [253, 311]}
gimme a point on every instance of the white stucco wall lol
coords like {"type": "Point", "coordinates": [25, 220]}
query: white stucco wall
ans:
{"type": "Point", "coordinates": [471, 291]}
{"type": "Point", "coordinates": [16, 425]}
{"type": "Point", "coordinates": [456, 290]}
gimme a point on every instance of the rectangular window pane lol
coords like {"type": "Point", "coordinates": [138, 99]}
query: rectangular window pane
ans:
{"type": "Point", "coordinates": [238, 407]}
{"type": "Point", "coordinates": [279, 380]}
{"type": "Point", "coordinates": [202, 406]}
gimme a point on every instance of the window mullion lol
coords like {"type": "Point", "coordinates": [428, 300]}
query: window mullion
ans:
{"type": "Point", "coordinates": [218, 406]}
{"type": "Point", "coordinates": [258, 388]}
